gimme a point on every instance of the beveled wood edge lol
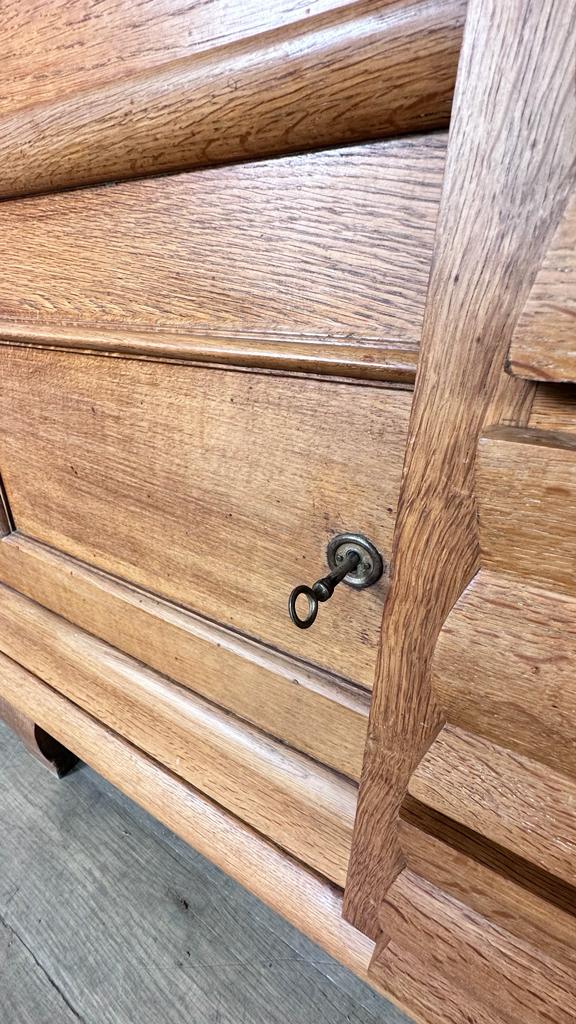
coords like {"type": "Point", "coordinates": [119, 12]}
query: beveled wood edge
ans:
{"type": "Point", "coordinates": [559, 440]}
{"type": "Point", "coordinates": [469, 623]}
{"type": "Point", "coordinates": [361, 359]}
{"type": "Point", "coordinates": [48, 751]}
{"type": "Point", "coordinates": [536, 370]}
{"type": "Point", "coordinates": [303, 674]}
{"type": "Point", "coordinates": [451, 963]}
{"type": "Point", "coordinates": [306, 899]}
{"type": "Point", "coordinates": [42, 574]}
{"type": "Point", "coordinates": [304, 806]}
{"type": "Point", "coordinates": [420, 823]}
{"type": "Point", "coordinates": [281, 91]}
{"type": "Point", "coordinates": [543, 798]}
{"type": "Point", "coordinates": [538, 350]}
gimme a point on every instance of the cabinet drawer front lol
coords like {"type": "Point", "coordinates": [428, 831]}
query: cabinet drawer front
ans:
{"type": "Point", "coordinates": [216, 489]}
{"type": "Point", "coordinates": [329, 250]}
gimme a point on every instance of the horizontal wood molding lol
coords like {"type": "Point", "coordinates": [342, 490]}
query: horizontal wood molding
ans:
{"type": "Point", "coordinates": [544, 342]}
{"type": "Point", "coordinates": [300, 805]}
{"type": "Point", "coordinates": [447, 964]}
{"type": "Point", "coordinates": [504, 668]}
{"type": "Point", "coordinates": [53, 49]}
{"type": "Point", "coordinates": [317, 262]}
{"type": "Point", "coordinates": [308, 901]}
{"type": "Point", "coordinates": [363, 72]}
{"type": "Point", "coordinates": [507, 798]}
{"type": "Point", "coordinates": [320, 356]}
{"type": "Point", "coordinates": [308, 709]}
{"type": "Point", "coordinates": [507, 890]}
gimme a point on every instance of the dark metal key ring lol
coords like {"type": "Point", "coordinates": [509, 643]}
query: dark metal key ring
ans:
{"type": "Point", "coordinates": [312, 606]}
{"type": "Point", "coordinates": [352, 558]}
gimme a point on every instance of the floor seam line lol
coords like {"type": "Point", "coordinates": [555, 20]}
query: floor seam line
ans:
{"type": "Point", "coordinates": [41, 967]}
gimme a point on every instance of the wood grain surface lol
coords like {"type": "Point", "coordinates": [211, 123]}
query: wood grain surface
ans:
{"type": "Point", "coordinates": [317, 262]}
{"type": "Point", "coordinates": [28, 994]}
{"type": "Point", "coordinates": [308, 709]}
{"type": "Point", "coordinates": [498, 210]}
{"type": "Point", "coordinates": [504, 668]}
{"type": "Point", "coordinates": [217, 490]}
{"type": "Point", "coordinates": [302, 896]}
{"type": "Point", "coordinates": [302, 806]}
{"type": "Point", "coordinates": [544, 342]}
{"type": "Point", "coordinates": [52, 49]}
{"type": "Point", "coordinates": [449, 965]}
{"type": "Point", "coordinates": [554, 408]}
{"type": "Point", "coordinates": [527, 506]}
{"type": "Point", "coordinates": [507, 890]}
{"type": "Point", "coordinates": [510, 799]}
{"type": "Point", "coordinates": [363, 72]}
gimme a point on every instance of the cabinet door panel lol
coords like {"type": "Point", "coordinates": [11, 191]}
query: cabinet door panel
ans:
{"type": "Point", "coordinates": [216, 489]}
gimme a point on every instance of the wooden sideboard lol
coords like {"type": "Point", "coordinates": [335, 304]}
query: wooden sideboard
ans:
{"type": "Point", "coordinates": [275, 275]}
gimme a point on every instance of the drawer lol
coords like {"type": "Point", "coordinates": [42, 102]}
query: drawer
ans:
{"type": "Point", "coordinates": [324, 255]}
{"type": "Point", "coordinates": [218, 490]}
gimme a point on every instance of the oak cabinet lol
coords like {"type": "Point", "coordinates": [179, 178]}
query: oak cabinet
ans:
{"type": "Point", "coordinates": [257, 295]}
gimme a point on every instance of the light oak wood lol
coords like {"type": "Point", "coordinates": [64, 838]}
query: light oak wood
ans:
{"type": "Point", "coordinates": [554, 408]}
{"type": "Point", "coordinates": [506, 890]}
{"type": "Point", "coordinates": [499, 207]}
{"type": "Point", "coordinates": [50, 49]}
{"type": "Point", "coordinates": [315, 263]}
{"type": "Point", "coordinates": [43, 747]}
{"type": "Point", "coordinates": [310, 710]}
{"type": "Point", "coordinates": [300, 895]}
{"type": "Point", "coordinates": [161, 504]}
{"type": "Point", "coordinates": [304, 807]}
{"type": "Point", "coordinates": [278, 92]}
{"type": "Point", "coordinates": [510, 799]}
{"type": "Point", "coordinates": [504, 668]}
{"type": "Point", "coordinates": [500, 778]}
{"type": "Point", "coordinates": [217, 490]}
{"type": "Point", "coordinates": [527, 506]}
{"type": "Point", "coordinates": [449, 965]}
{"type": "Point", "coordinates": [544, 343]}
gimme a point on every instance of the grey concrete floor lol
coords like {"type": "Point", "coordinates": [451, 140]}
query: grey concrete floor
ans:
{"type": "Point", "coordinates": [106, 917]}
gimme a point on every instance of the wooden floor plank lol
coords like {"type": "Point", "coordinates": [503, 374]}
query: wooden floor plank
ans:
{"type": "Point", "coordinates": [131, 925]}
{"type": "Point", "coordinates": [27, 995]}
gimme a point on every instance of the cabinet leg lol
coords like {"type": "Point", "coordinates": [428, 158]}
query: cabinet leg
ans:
{"type": "Point", "coordinates": [44, 747]}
